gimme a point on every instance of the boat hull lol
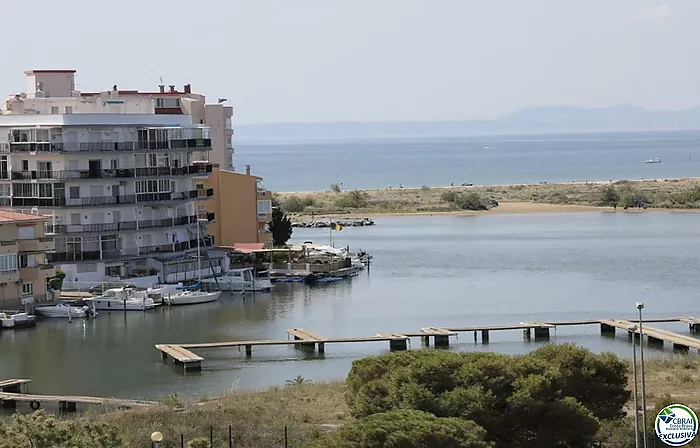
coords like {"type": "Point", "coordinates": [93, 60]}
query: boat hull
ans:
{"type": "Point", "coordinates": [119, 305]}
{"type": "Point", "coordinates": [50, 312]}
{"type": "Point", "coordinates": [257, 286]}
{"type": "Point", "coordinates": [184, 298]}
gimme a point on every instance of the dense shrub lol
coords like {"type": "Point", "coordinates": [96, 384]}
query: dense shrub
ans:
{"type": "Point", "coordinates": [630, 196]}
{"type": "Point", "coordinates": [40, 430]}
{"type": "Point", "coordinates": [335, 188]}
{"type": "Point", "coordinates": [551, 397]}
{"type": "Point", "coordinates": [296, 204]}
{"type": "Point", "coordinates": [353, 199]}
{"type": "Point", "coordinates": [407, 429]}
{"type": "Point", "coordinates": [465, 201]}
{"type": "Point", "coordinates": [609, 196]}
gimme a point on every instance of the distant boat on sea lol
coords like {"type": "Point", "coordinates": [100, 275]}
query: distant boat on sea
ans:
{"type": "Point", "coordinates": [654, 160]}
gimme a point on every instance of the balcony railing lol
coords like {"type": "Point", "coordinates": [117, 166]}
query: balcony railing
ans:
{"type": "Point", "coordinates": [67, 257]}
{"type": "Point", "coordinates": [122, 226]}
{"type": "Point", "coordinates": [121, 173]}
{"type": "Point", "coordinates": [188, 144]}
{"type": "Point", "coordinates": [112, 200]}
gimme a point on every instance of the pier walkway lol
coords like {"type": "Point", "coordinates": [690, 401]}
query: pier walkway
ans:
{"type": "Point", "coordinates": [11, 394]}
{"type": "Point", "coordinates": [308, 340]}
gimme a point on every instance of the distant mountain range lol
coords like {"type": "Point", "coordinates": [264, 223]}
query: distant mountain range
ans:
{"type": "Point", "coordinates": [533, 120]}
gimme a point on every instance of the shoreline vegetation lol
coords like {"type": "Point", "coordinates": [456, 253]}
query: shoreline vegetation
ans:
{"type": "Point", "coordinates": [622, 195]}
{"type": "Point", "coordinates": [311, 411]}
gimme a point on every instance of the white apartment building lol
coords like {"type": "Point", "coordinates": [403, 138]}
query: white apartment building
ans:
{"type": "Point", "coordinates": [118, 173]}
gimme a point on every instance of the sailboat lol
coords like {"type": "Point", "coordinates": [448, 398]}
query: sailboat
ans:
{"type": "Point", "coordinates": [193, 296]}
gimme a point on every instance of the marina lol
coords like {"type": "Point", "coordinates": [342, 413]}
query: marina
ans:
{"type": "Point", "coordinates": [513, 274]}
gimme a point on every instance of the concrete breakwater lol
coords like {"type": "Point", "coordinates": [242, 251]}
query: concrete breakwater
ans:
{"type": "Point", "coordinates": [326, 224]}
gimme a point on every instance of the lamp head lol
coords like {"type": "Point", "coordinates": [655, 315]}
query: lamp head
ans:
{"type": "Point", "coordinates": [640, 305]}
{"type": "Point", "coordinates": [157, 437]}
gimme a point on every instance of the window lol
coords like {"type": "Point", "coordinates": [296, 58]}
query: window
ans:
{"type": "Point", "coordinates": [69, 109]}
{"type": "Point", "coordinates": [5, 190]}
{"type": "Point", "coordinates": [26, 232]}
{"type": "Point", "coordinates": [32, 190]}
{"type": "Point", "coordinates": [74, 192]}
{"type": "Point", "coordinates": [87, 267]}
{"type": "Point", "coordinates": [110, 242]}
{"type": "Point", "coordinates": [27, 261]}
{"type": "Point", "coordinates": [54, 110]}
{"type": "Point", "coordinates": [44, 169]}
{"type": "Point", "coordinates": [264, 207]}
{"type": "Point", "coordinates": [75, 219]}
{"type": "Point", "coordinates": [114, 164]}
{"type": "Point", "coordinates": [25, 165]}
{"type": "Point", "coordinates": [27, 289]}
{"type": "Point", "coordinates": [153, 186]}
{"type": "Point", "coordinates": [8, 262]}
{"type": "Point", "coordinates": [168, 102]}
{"type": "Point", "coordinates": [199, 186]}
{"type": "Point", "coordinates": [113, 271]}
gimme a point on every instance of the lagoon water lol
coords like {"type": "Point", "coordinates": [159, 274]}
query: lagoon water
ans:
{"type": "Point", "coordinates": [427, 271]}
{"type": "Point", "coordinates": [416, 162]}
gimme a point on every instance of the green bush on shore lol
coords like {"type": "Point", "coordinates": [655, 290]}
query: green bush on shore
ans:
{"type": "Point", "coordinates": [353, 199]}
{"type": "Point", "coordinates": [554, 396]}
{"type": "Point", "coordinates": [296, 204]}
{"type": "Point", "coordinates": [465, 201]}
{"type": "Point", "coordinates": [407, 429]}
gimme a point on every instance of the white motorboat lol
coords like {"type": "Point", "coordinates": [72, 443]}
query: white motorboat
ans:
{"type": "Point", "coordinates": [17, 320]}
{"type": "Point", "coordinates": [191, 297]}
{"type": "Point", "coordinates": [120, 299]}
{"type": "Point", "coordinates": [654, 160]}
{"type": "Point", "coordinates": [241, 280]}
{"type": "Point", "coordinates": [62, 310]}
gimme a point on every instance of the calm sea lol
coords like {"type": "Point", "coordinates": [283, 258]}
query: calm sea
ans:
{"type": "Point", "coordinates": [484, 160]}
{"type": "Point", "coordinates": [427, 271]}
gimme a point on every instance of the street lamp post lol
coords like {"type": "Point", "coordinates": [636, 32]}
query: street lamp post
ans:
{"type": "Point", "coordinates": [155, 438]}
{"type": "Point", "coordinates": [640, 307]}
{"type": "Point", "coordinates": [632, 328]}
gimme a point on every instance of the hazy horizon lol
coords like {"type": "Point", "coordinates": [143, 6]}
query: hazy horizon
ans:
{"type": "Point", "coordinates": [313, 61]}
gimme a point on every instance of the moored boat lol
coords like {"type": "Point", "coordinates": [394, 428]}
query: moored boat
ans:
{"type": "Point", "coordinates": [17, 320]}
{"type": "Point", "coordinates": [241, 280]}
{"type": "Point", "coordinates": [129, 299]}
{"type": "Point", "coordinates": [191, 297]}
{"type": "Point", "coordinates": [62, 309]}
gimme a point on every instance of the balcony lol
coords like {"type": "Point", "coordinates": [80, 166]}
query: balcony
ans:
{"type": "Point", "coordinates": [59, 257]}
{"type": "Point", "coordinates": [9, 276]}
{"type": "Point", "coordinates": [124, 226]}
{"type": "Point", "coordinates": [42, 244]}
{"type": "Point", "coordinates": [37, 273]}
{"type": "Point", "coordinates": [209, 216]}
{"type": "Point", "coordinates": [190, 144]}
{"type": "Point", "coordinates": [68, 257]}
{"type": "Point", "coordinates": [98, 201]}
{"type": "Point", "coordinates": [121, 173]}
{"type": "Point", "coordinates": [203, 194]}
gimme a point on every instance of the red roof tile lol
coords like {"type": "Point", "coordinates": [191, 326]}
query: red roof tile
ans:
{"type": "Point", "coordinates": [13, 216]}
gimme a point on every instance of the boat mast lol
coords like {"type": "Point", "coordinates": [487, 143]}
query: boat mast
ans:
{"type": "Point", "coordinates": [199, 256]}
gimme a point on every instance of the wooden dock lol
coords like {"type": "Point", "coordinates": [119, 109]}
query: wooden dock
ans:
{"type": "Point", "coordinates": [308, 340]}
{"type": "Point", "coordinates": [14, 385]}
{"type": "Point", "coordinates": [11, 394]}
{"type": "Point", "coordinates": [654, 335]}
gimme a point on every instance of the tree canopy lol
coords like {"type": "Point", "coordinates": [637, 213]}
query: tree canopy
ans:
{"type": "Point", "coordinates": [281, 227]}
{"type": "Point", "coordinates": [407, 429]}
{"type": "Point", "coordinates": [552, 397]}
{"type": "Point", "coordinates": [45, 431]}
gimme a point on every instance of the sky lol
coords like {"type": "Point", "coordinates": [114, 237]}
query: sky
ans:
{"type": "Point", "coordinates": [284, 61]}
